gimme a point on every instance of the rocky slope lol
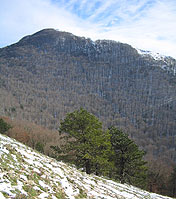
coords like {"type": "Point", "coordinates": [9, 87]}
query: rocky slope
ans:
{"type": "Point", "coordinates": [50, 73]}
{"type": "Point", "coordinates": [25, 173]}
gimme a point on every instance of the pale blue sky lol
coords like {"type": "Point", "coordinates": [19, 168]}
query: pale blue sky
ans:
{"type": "Point", "coordinates": [145, 24]}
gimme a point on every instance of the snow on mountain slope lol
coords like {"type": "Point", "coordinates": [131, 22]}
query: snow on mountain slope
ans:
{"type": "Point", "coordinates": [167, 62]}
{"type": "Point", "coordinates": [156, 56]}
{"type": "Point", "coordinates": [25, 173]}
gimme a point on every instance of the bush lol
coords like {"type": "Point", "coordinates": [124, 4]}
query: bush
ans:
{"type": "Point", "coordinates": [39, 147]}
{"type": "Point", "coordinates": [4, 127]}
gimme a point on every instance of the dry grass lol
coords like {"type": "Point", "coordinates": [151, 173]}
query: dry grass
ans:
{"type": "Point", "coordinates": [31, 134]}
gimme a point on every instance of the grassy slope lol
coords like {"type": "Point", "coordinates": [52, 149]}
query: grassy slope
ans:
{"type": "Point", "coordinates": [25, 173]}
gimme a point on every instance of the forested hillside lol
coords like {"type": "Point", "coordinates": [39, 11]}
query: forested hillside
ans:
{"type": "Point", "coordinates": [50, 73]}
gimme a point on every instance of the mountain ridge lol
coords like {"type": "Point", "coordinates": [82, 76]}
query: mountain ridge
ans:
{"type": "Point", "coordinates": [44, 76]}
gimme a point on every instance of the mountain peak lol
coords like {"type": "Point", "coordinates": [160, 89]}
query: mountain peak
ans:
{"type": "Point", "coordinates": [51, 73]}
{"type": "Point", "coordinates": [58, 42]}
{"type": "Point", "coordinates": [44, 36]}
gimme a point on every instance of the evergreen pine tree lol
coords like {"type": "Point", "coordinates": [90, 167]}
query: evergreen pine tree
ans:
{"type": "Point", "coordinates": [89, 144]}
{"type": "Point", "coordinates": [128, 159]}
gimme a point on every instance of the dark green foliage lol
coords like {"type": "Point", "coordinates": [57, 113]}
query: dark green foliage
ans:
{"type": "Point", "coordinates": [13, 109]}
{"type": "Point", "coordinates": [4, 127]}
{"type": "Point", "coordinates": [128, 159]}
{"type": "Point", "coordinates": [109, 152]}
{"type": "Point", "coordinates": [21, 106]}
{"type": "Point", "coordinates": [90, 146]}
{"type": "Point", "coordinates": [39, 147]}
{"type": "Point", "coordinates": [61, 154]}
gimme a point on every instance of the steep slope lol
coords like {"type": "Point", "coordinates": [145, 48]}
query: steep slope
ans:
{"type": "Point", "coordinates": [50, 73]}
{"type": "Point", "coordinates": [26, 173]}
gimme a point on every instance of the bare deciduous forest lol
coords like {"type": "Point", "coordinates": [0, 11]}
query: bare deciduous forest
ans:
{"type": "Point", "coordinates": [50, 73]}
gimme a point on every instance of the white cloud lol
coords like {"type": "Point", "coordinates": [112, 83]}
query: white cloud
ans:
{"type": "Point", "coordinates": [146, 24]}
{"type": "Point", "coordinates": [21, 17]}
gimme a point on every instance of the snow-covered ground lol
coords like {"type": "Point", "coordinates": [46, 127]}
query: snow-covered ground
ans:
{"type": "Point", "coordinates": [25, 173]}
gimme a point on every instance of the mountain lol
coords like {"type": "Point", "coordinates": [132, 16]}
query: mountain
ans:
{"type": "Point", "coordinates": [26, 173]}
{"type": "Point", "coordinates": [50, 73]}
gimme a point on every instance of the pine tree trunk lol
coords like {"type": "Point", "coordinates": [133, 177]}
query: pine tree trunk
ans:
{"type": "Point", "coordinates": [122, 167]}
{"type": "Point", "coordinates": [88, 167]}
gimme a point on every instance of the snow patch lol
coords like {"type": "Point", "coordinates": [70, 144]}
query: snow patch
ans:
{"type": "Point", "coordinates": [1, 196]}
{"type": "Point", "coordinates": [156, 56]}
{"type": "Point", "coordinates": [34, 173]}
